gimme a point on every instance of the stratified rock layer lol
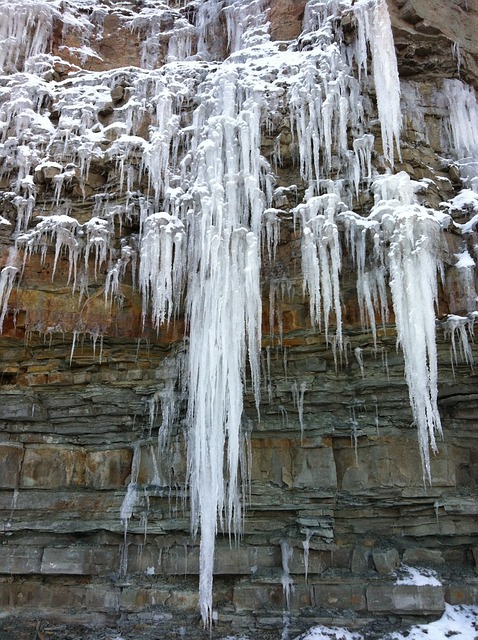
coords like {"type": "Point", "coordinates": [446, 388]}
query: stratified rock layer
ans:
{"type": "Point", "coordinates": [337, 497]}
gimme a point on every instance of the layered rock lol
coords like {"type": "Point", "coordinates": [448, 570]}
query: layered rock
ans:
{"type": "Point", "coordinates": [96, 517]}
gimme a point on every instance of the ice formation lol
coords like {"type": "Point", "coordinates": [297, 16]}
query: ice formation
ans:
{"type": "Point", "coordinates": [200, 195]}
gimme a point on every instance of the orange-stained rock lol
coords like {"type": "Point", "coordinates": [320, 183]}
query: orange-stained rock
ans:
{"type": "Point", "coordinates": [286, 18]}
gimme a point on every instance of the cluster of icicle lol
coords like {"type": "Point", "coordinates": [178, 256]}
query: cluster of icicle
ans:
{"type": "Point", "coordinates": [208, 210]}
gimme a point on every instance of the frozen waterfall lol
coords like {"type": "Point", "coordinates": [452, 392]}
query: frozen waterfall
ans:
{"type": "Point", "coordinates": [188, 173]}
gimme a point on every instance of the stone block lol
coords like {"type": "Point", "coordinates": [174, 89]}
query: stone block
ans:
{"type": "Point", "coordinates": [51, 467]}
{"type": "Point", "coordinates": [271, 461]}
{"type": "Point", "coordinates": [405, 599]}
{"type": "Point", "coordinates": [318, 562]}
{"type": "Point", "coordinates": [181, 559]}
{"type": "Point", "coordinates": [79, 561]}
{"type": "Point", "coordinates": [284, 462]}
{"type": "Point", "coordinates": [20, 559]}
{"type": "Point", "coordinates": [17, 406]}
{"type": "Point", "coordinates": [313, 468]}
{"type": "Point", "coordinates": [355, 478]}
{"type": "Point", "coordinates": [301, 596]}
{"type": "Point", "coordinates": [137, 598]}
{"type": "Point", "coordinates": [101, 598]}
{"type": "Point", "coordinates": [464, 592]}
{"type": "Point", "coordinates": [475, 557]}
{"type": "Point", "coordinates": [390, 462]}
{"type": "Point", "coordinates": [245, 560]}
{"type": "Point", "coordinates": [422, 557]}
{"type": "Point", "coordinates": [11, 456]}
{"type": "Point", "coordinates": [108, 468]}
{"type": "Point", "coordinates": [145, 559]}
{"type": "Point", "coordinates": [286, 19]}
{"type": "Point", "coordinates": [184, 599]}
{"type": "Point", "coordinates": [340, 596]}
{"type": "Point", "coordinates": [255, 596]}
{"type": "Point", "coordinates": [386, 561]}
{"type": "Point", "coordinates": [360, 559]}
{"type": "Point", "coordinates": [34, 595]}
{"type": "Point", "coordinates": [168, 468]}
{"type": "Point", "coordinates": [5, 595]}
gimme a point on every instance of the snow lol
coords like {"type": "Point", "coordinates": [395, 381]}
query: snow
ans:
{"type": "Point", "coordinates": [467, 199]}
{"type": "Point", "coordinates": [464, 260]}
{"type": "Point", "coordinates": [417, 576]}
{"type": "Point", "coordinates": [330, 633]}
{"type": "Point", "coordinates": [458, 621]}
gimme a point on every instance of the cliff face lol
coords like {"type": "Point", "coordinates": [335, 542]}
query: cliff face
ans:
{"type": "Point", "coordinates": [176, 187]}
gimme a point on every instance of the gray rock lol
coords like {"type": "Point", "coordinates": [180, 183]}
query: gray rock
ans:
{"type": "Point", "coordinates": [386, 561]}
{"type": "Point", "coordinates": [406, 599]}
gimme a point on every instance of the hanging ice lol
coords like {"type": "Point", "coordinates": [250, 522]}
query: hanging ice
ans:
{"type": "Point", "coordinates": [223, 301]}
{"type": "Point", "coordinates": [321, 260]}
{"type": "Point", "coordinates": [463, 121]}
{"type": "Point", "coordinates": [375, 28]}
{"type": "Point", "coordinates": [184, 140]}
{"type": "Point", "coordinates": [410, 239]}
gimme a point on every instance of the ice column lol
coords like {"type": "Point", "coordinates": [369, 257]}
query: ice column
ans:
{"type": "Point", "coordinates": [374, 26]}
{"type": "Point", "coordinates": [223, 310]}
{"type": "Point", "coordinates": [463, 121]}
{"type": "Point", "coordinates": [414, 262]}
{"type": "Point", "coordinates": [321, 260]}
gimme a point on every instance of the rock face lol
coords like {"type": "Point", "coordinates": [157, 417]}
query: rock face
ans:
{"type": "Point", "coordinates": [99, 109]}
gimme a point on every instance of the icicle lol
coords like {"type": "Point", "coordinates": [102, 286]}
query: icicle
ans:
{"type": "Point", "coordinates": [456, 54]}
{"type": "Point", "coordinates": [204, 219]}
{"type": "Point", "coordinates": [463, 121]}
{"type": "Point", "coordinates": [129, 502]}
{"type": "Point", "coordinates": [461, 327]}
{"type": "Point", "coordinates": [306, 544]}
{"type": "Point", "coordinates": [8, 276]}
{"type": "Point", "coordinates": [321, 261]}
{"type": "Point", "coordinates": [287, 580]}
{"type": "Point", "coordinates": [161, 266]}
{"type": "Point", "coordinates": [246, 24]}
{"type": "Point", "coordinates": [64, 230]}
{"type": "Point", "coordinates": [298, 394]}
{"type": "Point", "coordinates": [414, 261]}
{"type": "Point", "coordinates": [267, 377]}
{"type": "Point", "coordinates": [272, 231]}
{"type": "Point", "coordinates": [25, 31]}
{"type": "Point", "coordinates": [358, 352]}
{"type": "Point", "coordinates": [363, 158]}
{"type": "Point", "coordinates": [374, 26]}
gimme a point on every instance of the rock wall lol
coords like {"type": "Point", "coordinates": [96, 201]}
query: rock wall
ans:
{"type": "Point", "coordinates": [337, 500]}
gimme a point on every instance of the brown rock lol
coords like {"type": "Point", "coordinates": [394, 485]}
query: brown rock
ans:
{"type": "Point", "coordinates": [286, 18]}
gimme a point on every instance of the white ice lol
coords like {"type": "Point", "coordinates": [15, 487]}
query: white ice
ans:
{"type": "Point", "coordinates": [206, 217]}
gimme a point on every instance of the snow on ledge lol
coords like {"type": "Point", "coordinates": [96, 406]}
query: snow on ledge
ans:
{"type": "Point", "coordinates": [417, 576]}
{"type": "Point", "coordinates": [458, 622]}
